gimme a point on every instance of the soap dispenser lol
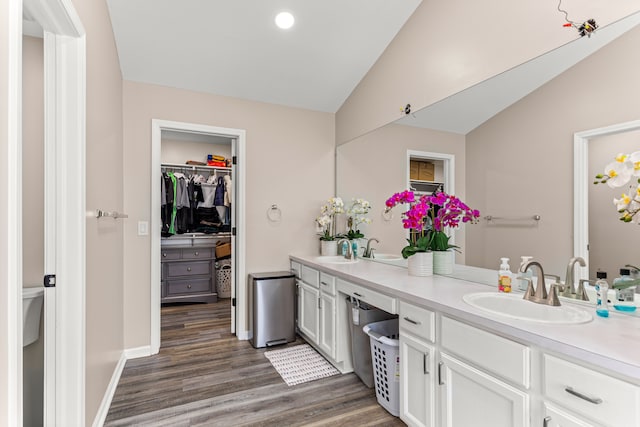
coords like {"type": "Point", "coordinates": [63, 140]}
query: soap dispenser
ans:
{"type": "Point", "coordinates": [523, 276]}
{"type": "Point", "coordinates": [504, 276]}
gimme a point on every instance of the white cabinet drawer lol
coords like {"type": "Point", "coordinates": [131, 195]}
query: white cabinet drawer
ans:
{"type": "Point", "coordinates": [607, 400]}
{"type": "Point", "coordinates": [309, 276]}
{"type": "Point", "coordinates": [556, 417]}
{"type": "Point", "coordinates": [505, 358]}
{"type": "Point", "coordinates": [376, 299]}
{"type": "Point", "coordinates": [417, 321]}
{"type": "Point", "coordinates": [327, 283]}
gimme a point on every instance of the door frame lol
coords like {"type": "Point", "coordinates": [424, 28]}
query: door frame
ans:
{"type": "Point", "coordinates": [64, 136]}
{"type": "Point", "coordinates": [238, 313]}
{"type": "Point", "coordinates": [581, 183]}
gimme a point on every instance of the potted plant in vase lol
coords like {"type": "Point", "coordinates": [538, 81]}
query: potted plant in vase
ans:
{"type": "Point", "coordinates": [417, 252]}
{"type": "Point", "coordinates": [446, 211]}
{"type": "Point", "coordinates": [356, 215]}
{"type": "Point", "coordinates": [326, 225]}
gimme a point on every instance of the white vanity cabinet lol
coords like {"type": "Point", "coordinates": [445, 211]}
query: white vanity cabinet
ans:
{"type": "Point", "coordinates": [483, 378]}
{"type": "Point", "coordinates": [417, 366]}
{"type": "Point", "coordinates": [318, 315]}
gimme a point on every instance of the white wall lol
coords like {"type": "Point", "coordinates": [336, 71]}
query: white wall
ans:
{"type": "Point", "coordinates": [523, 157]}
{"type": "Point", "coordinates": [289, 162]}
{"type": "Point", "coordinates": [448, 46]}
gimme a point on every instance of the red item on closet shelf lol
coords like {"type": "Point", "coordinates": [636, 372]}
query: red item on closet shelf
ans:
{"type": "Point", "coordinates": [216, 164]}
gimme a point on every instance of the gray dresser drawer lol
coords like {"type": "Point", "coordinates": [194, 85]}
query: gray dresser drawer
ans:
{"type": "Point", "coordinates": [177, 269]}
{"type": "Point", "coordinates": [197, 253]}
{"type": "Point", "coordinates": [168, 254]}
{"type": "Point", "coordinates": [182, 287]}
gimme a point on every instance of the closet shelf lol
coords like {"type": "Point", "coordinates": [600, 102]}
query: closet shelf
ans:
{"type": "Point", "coordinates": [193, 167]}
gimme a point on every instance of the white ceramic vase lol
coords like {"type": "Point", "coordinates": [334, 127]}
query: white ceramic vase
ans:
{"type": "Point", "coordinates": [328, 247]}
{"type": "Point", "coordinates": [442, 262]}
{"type": "Point", "coordinates": [420, 264]}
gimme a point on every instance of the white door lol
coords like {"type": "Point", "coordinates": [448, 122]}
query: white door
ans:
{"type": "Point", "coordinates": [327, 333]}
{"type": "Point", "coordinates": [417, 382]}
{"type": "Point", "coordinates": [308, 311]}
{"type": "Point", "coordinates": [470, 397]}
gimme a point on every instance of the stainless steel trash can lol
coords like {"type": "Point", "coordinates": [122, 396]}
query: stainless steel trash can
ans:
{"type": "Point", "coordinates": [362, 314]}
{"type": "Point", "coordinates": [273, 297]}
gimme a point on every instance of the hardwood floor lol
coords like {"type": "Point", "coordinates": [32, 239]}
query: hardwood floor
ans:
{"type": "Point", "coordinates": [204, 376]}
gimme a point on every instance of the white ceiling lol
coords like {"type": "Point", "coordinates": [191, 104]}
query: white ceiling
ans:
{"type": "Point", "coordinates": [233, 48]}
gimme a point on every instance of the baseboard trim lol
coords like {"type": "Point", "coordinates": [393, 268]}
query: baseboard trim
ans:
{"type": "Point", "coordinates": [244, 335]}
{"type": "Point", "coordinates": [137, 352]}
{"type": "Point", "coordinates": [103, 409]}
{"type": "Point", "coordinates": [127, 353]}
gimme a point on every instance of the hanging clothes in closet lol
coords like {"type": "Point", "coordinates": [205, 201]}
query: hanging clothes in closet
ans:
{"type": "Point", "coordinates": [188, 204]}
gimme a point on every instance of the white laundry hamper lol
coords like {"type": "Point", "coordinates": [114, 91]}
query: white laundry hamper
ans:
{"type": "Point", "coordinates": [385, 357]}
{"type": "Point", "coordinates": [223, 280]}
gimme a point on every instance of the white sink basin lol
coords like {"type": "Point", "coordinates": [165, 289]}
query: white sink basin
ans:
{"type": "Point", "coordinates": [514, 307]}
{"type": "Point", "coordinates": [337, 259]}
{"type": "Point", "coordinates": [387, 257]}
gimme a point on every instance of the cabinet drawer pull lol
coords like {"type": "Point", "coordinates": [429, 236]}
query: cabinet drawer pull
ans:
{"type": "Point", "coordinates": [164, 254]}
{"type": "Point", "coordinates": [188, 286]}
{"type": "Point", "coordinates": [411, 321]}
{"type": "Point", "coordinates": [546, 421]}
{"type": "Point", "coordinates": [196, 254]}
{"type": "Point", "coordinates": [425, 363]}
{"type": "Point", "coordinates": [326, 284]}
{"type": "Point", "coordinates": [594, 400]}
{"type": "Point", "coordinates": [358, 295]}
{"type": "Point", "coordinates": [188, 268]}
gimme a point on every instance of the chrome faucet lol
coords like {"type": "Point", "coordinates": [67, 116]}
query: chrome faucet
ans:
{"type": "Point", "coordinates": [368, 251]}
{"type": "Point", "coordinates": [539, 295]}
{"type": "Point", "coordinates": [570, 290]}
{"type": "Point", "coordinates": [349, 253]}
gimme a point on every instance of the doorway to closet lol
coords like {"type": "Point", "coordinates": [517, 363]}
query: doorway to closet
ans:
{"type": "Point", "coordinates": [197, 221]}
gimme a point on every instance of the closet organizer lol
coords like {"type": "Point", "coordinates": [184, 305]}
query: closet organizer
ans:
{"type": "Point", "coordinates": [196, 218]}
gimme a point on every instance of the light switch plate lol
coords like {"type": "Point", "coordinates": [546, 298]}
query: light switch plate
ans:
{"type": "Point", "coordinates": [143, 228]}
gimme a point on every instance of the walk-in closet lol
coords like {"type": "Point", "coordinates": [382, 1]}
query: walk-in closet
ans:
{"type": "Point", "coordinates": [198, 218]}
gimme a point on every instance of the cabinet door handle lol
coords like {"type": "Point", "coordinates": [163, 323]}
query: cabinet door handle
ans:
{"type": "Point", "coordinates": [358, 295]}
{"type": "Point", "coordinates": [411, 321]}
{"type": "Point", "coordinates": [594, 400]}
{"type": "Point", "coordinates": [319, 306]}
{"type": "Point", "coordinates": [440, 373]}
{"type": "Point", "coordinates": [188, 268]}
{"type": "Point", "coordinates": [546, 421]}
{"type": "Point", "coordinates": [425, 363]}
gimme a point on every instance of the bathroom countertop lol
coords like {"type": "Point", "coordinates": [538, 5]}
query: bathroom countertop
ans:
{"type": "Point", "coordinates": [612, 343]}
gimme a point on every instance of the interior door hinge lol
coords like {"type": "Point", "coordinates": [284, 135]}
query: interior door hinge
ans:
{"type": "Point", "coordinates": [233, 302]}
{"type": "Point", "coordinates": [50, 281]}
{"type": "Point", "coordinates": [233, 231]}
{"type": "Point", "coordinates": [234, 160]}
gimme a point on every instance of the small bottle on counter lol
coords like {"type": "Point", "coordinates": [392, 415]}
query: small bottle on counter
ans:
{"type": "Point", "coordinates": [505, 276]}
{"type": "Point", "coordinates": [625, 295]}
{"type": "Point", "coordinates": [521, 277]}
{"type": "Point", "coordinates": [602, 288]}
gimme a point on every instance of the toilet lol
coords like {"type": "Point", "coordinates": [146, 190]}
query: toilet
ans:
{"type": "Point", "coordinates": [32, 299]}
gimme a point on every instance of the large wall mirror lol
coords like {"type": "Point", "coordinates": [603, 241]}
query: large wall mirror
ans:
{"type": "Point", "coordinates": [512, 139]}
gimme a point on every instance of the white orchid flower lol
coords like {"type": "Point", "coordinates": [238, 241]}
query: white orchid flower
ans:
{"type": "Point", "coordinates": [619, 172]}
{"type": "Point", "coordinates": [622, 203]}
{"type": "Point", "coordinates": [634, 160]}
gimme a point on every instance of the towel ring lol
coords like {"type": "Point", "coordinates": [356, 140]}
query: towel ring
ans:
{"type": "Point", "coordinates": [274, 213]}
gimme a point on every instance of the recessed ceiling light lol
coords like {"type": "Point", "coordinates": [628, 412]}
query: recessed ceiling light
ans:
{"type": "Point", "coordinates": [284, 20]}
